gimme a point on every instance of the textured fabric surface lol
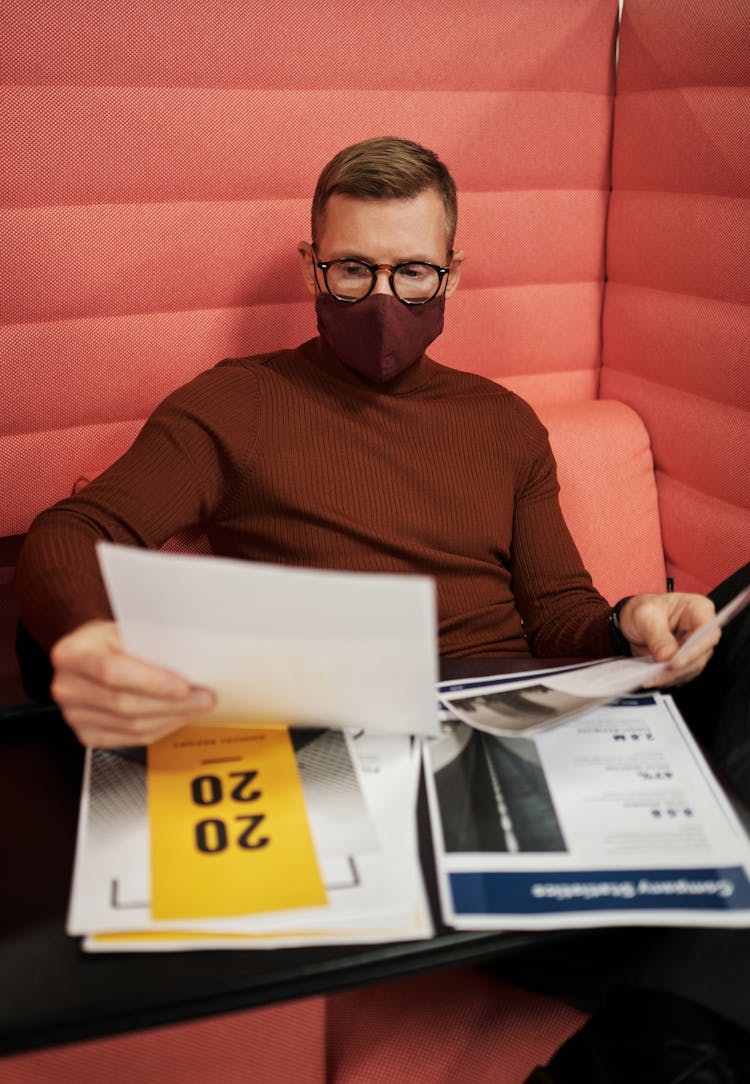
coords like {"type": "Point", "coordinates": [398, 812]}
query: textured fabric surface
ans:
{"type": "Point", "coordinates": [604, 462]}
{"type": "Point", "coordinates": [608, 494]}
{"type": "Point", "coordinates": [444, 1028]}
{"type": "Point", "coordinates": [281, 1044]}
{"type": "Point", "coordinates": [207, 44]}
{"type": "Point", "coordinates": [159, 163]}
{"type": "Point", "coordinates": [447, 1027]}
{"type": "Point", "coordinates": [700, 526]}
{"type": "Point", "coordinates": [676, 330]}
{"type": "Point", "coordinates": [294, 459]}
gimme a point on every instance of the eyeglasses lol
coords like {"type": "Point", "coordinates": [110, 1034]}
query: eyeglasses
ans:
{"type": "Point", "coordinates": [414, 283]}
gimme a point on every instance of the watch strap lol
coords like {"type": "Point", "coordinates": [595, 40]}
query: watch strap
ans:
{"type": "Point", "coordinates": [619, 640]}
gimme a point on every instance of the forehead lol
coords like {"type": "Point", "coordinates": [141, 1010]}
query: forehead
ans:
{"type": "Point", "coordinates": [384, 230]}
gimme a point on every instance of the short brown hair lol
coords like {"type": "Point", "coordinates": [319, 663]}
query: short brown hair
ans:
{"type": "Point", "coordinates": [385, 168]}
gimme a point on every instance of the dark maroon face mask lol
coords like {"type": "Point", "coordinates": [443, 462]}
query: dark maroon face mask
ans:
{"type": "Point", "coordinates": [379, 337]}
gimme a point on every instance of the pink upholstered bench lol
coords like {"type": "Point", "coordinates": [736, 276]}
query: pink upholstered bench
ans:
{"type": "Point", "coordinates": [441, 1028]}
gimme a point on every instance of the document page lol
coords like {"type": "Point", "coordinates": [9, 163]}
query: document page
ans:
{"type": "Point", "coordinates": [282, 645]}
{"type": "Point", "coordinates": [360, 795]}
{"type": "Point", "coordinates": [613, 817]}
{"type": "Point", "coordinates": [539, 700]}
{"type": "Point", "coordinates": [536, 701]}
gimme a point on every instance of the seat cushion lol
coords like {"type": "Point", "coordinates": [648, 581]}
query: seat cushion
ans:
{"type": "Point", "coordinates": [452, 1026]}
{"type": "Point", "coordinates": [608, 494]}
{"type": "Point", "coordinates": [277, 1044]}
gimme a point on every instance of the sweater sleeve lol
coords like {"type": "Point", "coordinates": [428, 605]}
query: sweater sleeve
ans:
{"type": "Point", "coordinates": [563, 614]}
{"type": "Point", "coordinates": [175, 475]}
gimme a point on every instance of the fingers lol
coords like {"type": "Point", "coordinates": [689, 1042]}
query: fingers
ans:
{"type": "Point", "coordinates": [680, 674]}
{"type": "Point", "coordinates": [658, 625]}
{"type": "Point", "coordinates": [120, 703]}
{"type": "Point", "coordinates": [111, 699]}
{"type": "Point", "coordinates": [101, 715]}
{"type": "Point", "coordinates": [683, 668]}
{"type": "Point", "coordinates": [95, 651]}
{"type": "Point", "coordinates": [95, 731]}
{"type": "Point", "coordinates": [696, 655]}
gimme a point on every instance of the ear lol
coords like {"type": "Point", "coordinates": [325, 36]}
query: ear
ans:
{"type": "Point", "coordinates": [455, 275]}
{"type": "Point", "coordinates": [304, 248]}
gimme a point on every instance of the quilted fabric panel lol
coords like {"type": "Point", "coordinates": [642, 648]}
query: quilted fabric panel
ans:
{"type": "Point", "coordinates": [677, 305]}
{"type": "Point", "coordinates": [159, 168]}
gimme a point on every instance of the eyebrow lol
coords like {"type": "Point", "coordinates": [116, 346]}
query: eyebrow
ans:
{"type": "Point", "coordinates": [366, 259]}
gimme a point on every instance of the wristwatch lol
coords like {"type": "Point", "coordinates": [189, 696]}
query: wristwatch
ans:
{"type": "Point", "coordinates": [620, 641]}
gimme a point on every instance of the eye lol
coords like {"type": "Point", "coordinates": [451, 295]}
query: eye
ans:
{"type": "Point", "coordinates": [415, 272]}
{"type": "Point", "coordinates": [352, 269]}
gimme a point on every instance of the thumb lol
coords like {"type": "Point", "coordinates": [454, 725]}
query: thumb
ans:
{"type": "Point", "coordinates": [646, 623]}
{"type": "Point", "coordinates": [662, 644]}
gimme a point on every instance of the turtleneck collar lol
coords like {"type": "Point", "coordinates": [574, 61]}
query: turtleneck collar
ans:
{"type": "Point", "coordinates": [324, 359]}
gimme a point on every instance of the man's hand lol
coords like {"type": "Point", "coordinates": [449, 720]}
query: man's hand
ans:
{"type": "Point", "coordinates": [658, 624]}
{"type": "Point", "coordinates": [110, 698]}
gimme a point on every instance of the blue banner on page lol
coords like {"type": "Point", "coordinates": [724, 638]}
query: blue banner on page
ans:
{"type": "Point", "coordinates": [494, 893]}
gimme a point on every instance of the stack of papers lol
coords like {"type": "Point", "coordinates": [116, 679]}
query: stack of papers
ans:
{"type": "Point", "coordinates": [234, 835]}
{"type": "Point", "coordinates": [243, 832]}
{"type": "Point", "coordinates": [360, 794]}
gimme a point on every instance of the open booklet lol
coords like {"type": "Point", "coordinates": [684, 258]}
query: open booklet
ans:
{"type": "Point", "coordinates": [613, 818]}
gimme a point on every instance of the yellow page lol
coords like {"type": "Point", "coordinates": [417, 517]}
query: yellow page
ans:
{"type": "Point", "coordinates": [229, 831]}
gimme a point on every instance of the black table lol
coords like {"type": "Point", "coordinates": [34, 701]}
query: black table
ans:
{"type": "Point", "coordinates": [52, 992]}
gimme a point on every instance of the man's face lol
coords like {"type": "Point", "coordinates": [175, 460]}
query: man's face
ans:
{"type": "Point", "coordinates": [388, 231]}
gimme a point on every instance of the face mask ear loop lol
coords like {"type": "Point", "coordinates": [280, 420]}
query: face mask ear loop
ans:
{"type": "Point", "coordinates": [448, 276]}
{"type": "Point", "coordinates": [315, 269]}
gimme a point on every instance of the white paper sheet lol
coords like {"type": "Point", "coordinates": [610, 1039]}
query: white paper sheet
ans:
{"type": "Point", "coordinates": [294, 646]}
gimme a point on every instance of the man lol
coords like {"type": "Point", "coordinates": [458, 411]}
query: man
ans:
{"type": "Point", "coordinates": [354, 451]}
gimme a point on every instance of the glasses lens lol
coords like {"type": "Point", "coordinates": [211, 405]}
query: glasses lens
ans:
{"type": "Point", "coordinates": [349, 280]}
{"type": "Point", "coordinates": [416, 282]}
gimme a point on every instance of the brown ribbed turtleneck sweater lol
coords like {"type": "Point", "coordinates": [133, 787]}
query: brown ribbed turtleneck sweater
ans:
{"type": "Point", "coordinates": [292, 458]}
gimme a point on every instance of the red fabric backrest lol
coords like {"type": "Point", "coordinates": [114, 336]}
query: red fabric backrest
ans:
{"type": "Point", "coordinates": [160, 160]}
{"type": "Point", "coordinates": [677, 307]}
